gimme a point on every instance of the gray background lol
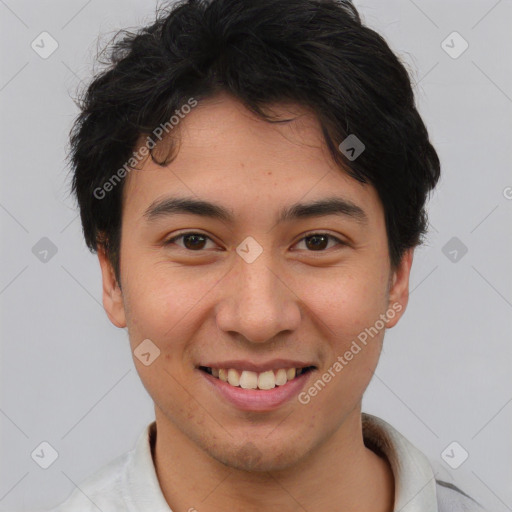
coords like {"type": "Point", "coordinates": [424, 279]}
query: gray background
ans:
{"type": "Point", "coordinates": [67, 376]}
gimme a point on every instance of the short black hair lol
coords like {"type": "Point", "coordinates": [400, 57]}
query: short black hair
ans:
{"type": "Point", "coordinates": [315, 53]}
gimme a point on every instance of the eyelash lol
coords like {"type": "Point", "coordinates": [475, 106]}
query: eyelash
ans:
{"type": "Point", "coordinates": [308, 235]}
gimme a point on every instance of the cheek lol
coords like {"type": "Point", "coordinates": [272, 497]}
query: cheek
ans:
{"type": "Point", "coordinates": [163, 303]}
{"type": "Point", "coordinates": [348, 310]}
{"type": "Point", "coordinates": [346, 304]}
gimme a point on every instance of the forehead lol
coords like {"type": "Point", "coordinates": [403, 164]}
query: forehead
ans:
{"type": "Point", "coordinates": [227, 155]}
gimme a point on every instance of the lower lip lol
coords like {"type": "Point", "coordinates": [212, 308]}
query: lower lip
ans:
{"type": "Point", "coordinates": [258, 399]}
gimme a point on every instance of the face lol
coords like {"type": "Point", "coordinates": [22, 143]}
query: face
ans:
{"type": "Point", "coordinates": [251, 291]}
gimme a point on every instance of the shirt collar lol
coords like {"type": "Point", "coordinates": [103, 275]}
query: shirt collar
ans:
{"type": "Point", "coordinates": [415, 485]}
{"type": "Point", "coordinates": [141, 487]}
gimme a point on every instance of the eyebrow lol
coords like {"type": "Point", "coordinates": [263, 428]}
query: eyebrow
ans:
{"type": "Point", "coordinates": [170, 206]}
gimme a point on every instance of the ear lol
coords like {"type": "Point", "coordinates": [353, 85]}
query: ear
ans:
{"type": "Point", "coordinates": [399, 288]}
{"type": "Point", "coordinates": [112, 294]}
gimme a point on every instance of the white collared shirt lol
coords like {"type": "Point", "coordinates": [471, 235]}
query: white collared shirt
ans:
{"type": "Point", "coordinates": [129, 482]}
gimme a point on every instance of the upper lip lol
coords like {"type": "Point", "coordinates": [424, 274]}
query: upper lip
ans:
{"type": "Point", "coordinates": [241, 365]}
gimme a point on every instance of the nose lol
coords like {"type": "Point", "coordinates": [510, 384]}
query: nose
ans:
{"type": "Point", "coordinates": [258, 301]}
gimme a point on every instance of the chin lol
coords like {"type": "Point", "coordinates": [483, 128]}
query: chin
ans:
{"type": "Point", "coordinates": [256, 458]}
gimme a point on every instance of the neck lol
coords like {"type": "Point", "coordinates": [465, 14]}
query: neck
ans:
{"type": "Point", "coordinates": [341, 474]}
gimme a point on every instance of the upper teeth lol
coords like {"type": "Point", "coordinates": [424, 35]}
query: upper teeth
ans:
{"type": "Point", "coordinates": [253, 380]}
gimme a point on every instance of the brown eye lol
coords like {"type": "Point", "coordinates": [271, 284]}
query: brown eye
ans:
{"type": "Point", "coordinates": [191, 241]}
{"type": "Point", "coordinates": [194, 241]}
{"type": "Point", "coordinates": [317, 242]}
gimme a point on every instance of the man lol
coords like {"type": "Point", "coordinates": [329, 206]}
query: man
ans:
{"type": "Point", "coordinates": [253, 176]}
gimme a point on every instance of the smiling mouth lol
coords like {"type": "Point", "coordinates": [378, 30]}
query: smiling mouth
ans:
{"type": "Point", "coordinates": [253, 380]}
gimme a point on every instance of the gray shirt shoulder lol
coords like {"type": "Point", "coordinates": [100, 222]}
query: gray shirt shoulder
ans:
{"type": "Point", "coordinates": [452, 499]}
